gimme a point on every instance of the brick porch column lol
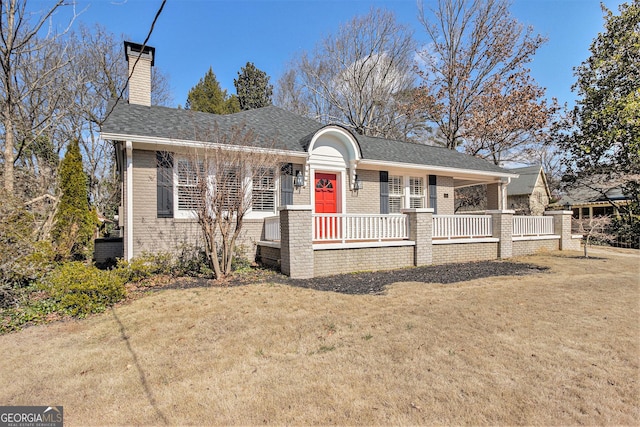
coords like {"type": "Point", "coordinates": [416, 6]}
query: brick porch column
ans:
{"type": "Point", "coordinates": [493, 196]}
{"type": "Point", "coordinates": [296, 241]}
{"type": "Point", "coordinates": [562, 228]}
{"type": "Point", "coordinates": [421, 232]}
{"type": "Point", "coordinates": [502, 223]}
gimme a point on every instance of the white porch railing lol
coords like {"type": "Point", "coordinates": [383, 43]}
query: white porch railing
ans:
{"type": "Point", "coordinates": [461, 226]}
{"type": "Point", "coordinates": [272, 228]}
{"type": "Point", "coordinates": [348, 227]}
{"type": "Point", "coordinates": [532, 225]}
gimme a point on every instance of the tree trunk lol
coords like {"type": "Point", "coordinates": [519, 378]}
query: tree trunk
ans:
{"type": "Point", "coordinates": [8, 153]}
{"type": "Point", "coordinates": [586, 243]}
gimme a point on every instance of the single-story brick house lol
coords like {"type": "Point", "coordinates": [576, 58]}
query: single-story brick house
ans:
{"type": "Point", "coordinates": [340, 202]}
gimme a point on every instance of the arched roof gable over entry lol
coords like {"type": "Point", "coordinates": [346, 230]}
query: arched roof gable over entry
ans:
{"type": "Point", "coordinates": [334, 146]}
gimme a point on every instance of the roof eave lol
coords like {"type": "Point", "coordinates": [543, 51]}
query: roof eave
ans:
{"type": "Point", "coordinates": [450, 170]}
{"type": "Point", "coordinates": [169, 142]}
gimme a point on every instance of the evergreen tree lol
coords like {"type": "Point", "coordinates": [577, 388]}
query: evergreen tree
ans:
{"type": "Point", "coordinates": [207, 96]}
{"type": "Point", "coordinates": [253, 88]}
{"type": "Point", "coordinates": [75, 221]}
{"type": "Point", "coordinates": [604, 148]}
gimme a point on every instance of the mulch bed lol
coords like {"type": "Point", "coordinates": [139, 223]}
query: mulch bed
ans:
{"type": "Point", "coordinates": [372, 282]}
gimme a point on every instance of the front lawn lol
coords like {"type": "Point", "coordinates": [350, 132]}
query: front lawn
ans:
{"type": "Point", "coordinates": [559, 346]}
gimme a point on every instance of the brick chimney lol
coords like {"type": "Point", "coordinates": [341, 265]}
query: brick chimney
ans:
{"type": "Point", "coordinates": [140, 76]}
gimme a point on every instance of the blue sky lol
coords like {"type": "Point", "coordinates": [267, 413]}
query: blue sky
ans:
{"type": "Point", "coordinates": [192, 35]}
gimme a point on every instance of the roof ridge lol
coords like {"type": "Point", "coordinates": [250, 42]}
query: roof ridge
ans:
{"type": "Point", "coordinates": [270, 123]}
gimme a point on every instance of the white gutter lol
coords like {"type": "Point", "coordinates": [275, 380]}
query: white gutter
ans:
{"type": "Point", "coordinates": [172, 143]}
{"type": "Point", "coordinates": [465, 172]}
{"type": "Point", "coordinates": [504, 182]}
{"type": "Point", "coordinates": [129, 207]}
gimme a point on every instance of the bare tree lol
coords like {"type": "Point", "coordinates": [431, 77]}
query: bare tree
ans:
{"type": "Point", "coordinates": [471, 199]}
{"type": "Point", "coordinates": [360, 78]}
{"type": "Point", "coordinates": [28, 69]}
{"type": "Point", "coordinates": [550, 157]}
{"type": "Point", "coordinates": [510, 120]}
{"type": "Point", "coordinates": [222, 182]}
{"type": "Point", "coordinates": [290, 94]}
{"type": "Point", "coordinates": [474, 76]}
{"type": "Point", "coordinates": [596, 227]}
{"type": "Point", "coordinates": [100, 76]}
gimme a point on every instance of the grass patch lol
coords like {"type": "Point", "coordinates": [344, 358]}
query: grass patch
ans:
{"type": "Point", "coordinates": [325, 349]}
{"type": "Point", "coordinates": [552, 348]}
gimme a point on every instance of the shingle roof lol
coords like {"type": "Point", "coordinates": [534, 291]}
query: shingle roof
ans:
{"type": "Point", "coordinates": [420, 154]}
{"type": "Point", "coordinates": [274, 127]}
{"type": "Point", "coordinates": [526, 182]}
{"type": "Point", "coordinates": [584, 195]}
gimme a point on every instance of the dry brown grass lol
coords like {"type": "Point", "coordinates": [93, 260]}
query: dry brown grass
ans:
{"type": "Point", "coordinates": [560, 347]}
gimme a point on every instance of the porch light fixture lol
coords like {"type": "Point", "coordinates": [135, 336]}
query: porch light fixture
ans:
{"type": "Point", "coordinates": [357, 184]}
{"type": "Point", "coordinates": [298, 181]}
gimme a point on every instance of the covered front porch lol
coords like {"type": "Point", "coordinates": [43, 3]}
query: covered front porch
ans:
{"type": "Point", "coordinates": [304, 244]}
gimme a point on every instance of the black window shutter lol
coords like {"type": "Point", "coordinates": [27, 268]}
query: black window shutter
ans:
{"type": "Point", "coordinates": [384, 192]}
{"type": "Point", "coordinates": [286, 185]}
{"type": "Point", "coordinates": [164, 163]}
{"type": "Point", "coordinates": [433, 193]}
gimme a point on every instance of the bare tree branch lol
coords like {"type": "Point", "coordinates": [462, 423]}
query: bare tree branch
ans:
{"type": "Point", "coordinates": [473, 77]}
{"type": "Point", "coordinates": [360, 78]}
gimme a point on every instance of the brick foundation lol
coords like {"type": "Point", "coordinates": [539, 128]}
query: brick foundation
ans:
{"type": "Point", "coordinates": [464, 252]}
{"type": "Point", "coordinates": [339, 261]}
{"type": "Point", "coordinates": [528, 247]}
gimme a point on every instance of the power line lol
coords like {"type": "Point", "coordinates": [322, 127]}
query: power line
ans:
{"type": "Point", "coordinates": [144, 45]}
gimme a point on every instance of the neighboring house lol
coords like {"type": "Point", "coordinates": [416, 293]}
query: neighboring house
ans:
{"type": "Point", "coordinates": [588, 203]}
{"type": "Point", "coordinates": [529, 193]}
{"type": "Point", "coordinates": [340, 202]}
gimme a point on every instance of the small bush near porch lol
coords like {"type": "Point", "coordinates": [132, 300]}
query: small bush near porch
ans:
{"type": "Point", "coordinates": [556, 347]}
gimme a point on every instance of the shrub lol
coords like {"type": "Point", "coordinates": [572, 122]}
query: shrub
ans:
{"type": "Point", "coordinates": [240, 264]}
{"type": "Point", "coordinates": [145, 266]}
{"type": "Point", "coordinates": [192, 261]}
{"type": "Point", "coordinates": [627, 232]}
{"type": "Point", "coordinates": [80, 289]}
{"type": "Point", "coordinates": [36, 264]}
{"type": "Point", "coordinates": [22, 258]}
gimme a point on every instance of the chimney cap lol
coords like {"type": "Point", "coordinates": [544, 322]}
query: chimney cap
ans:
{"type": "Point", "coordinates": [148, 51]}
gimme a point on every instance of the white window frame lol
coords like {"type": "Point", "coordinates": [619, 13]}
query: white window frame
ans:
{"type": "Point", "coordinates": [273, 190]}
{"type": "Point", "coordinates": [396, 195]}
{"type": "Point", "coordinates": [416, 195]}
{"type": "Point", "coordinates": [178, 212]}
{"type": "Point", "coordinates": [240, 184]}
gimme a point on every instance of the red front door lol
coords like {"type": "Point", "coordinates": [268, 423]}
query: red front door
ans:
{"type": "Point", "coordinates": [325, 193]}
{"type": "Point", "coordinates": [326, 202]}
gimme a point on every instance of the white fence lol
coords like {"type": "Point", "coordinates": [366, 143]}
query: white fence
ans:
{"type": "Point", "coordinates": [272, 228]}
{"type": "Point", "coordinates": [347, 227]}
{"type": "Point", "coordinates": [532, 225]}
{"type": "Point", "coordinates": [461, 226]}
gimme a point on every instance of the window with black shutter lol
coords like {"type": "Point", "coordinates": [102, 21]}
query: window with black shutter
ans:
{"type": "Point", "coordinates": [433, 193]}
{"type": "Point", "coordinates": [384, 192]}
{"type": "Point", "coordinates": [286, 184]}
{"type": "Point", "coordinates": [164, 166]}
